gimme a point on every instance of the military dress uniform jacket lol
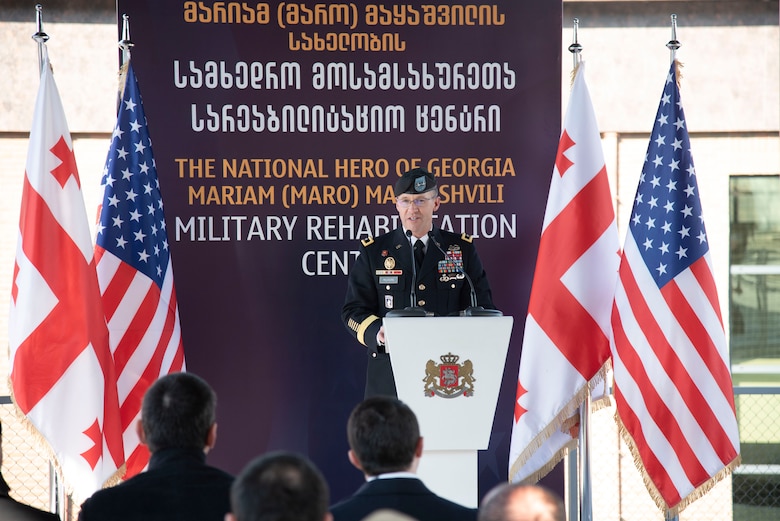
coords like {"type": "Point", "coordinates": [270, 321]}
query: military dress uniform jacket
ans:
{"type": "Point", "coordinates": [380, 281]}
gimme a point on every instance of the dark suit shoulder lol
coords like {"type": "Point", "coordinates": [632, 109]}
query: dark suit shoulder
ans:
{"type": "Point", "coordinates": [408, 496]}
{"type": "Point", "coordinates": [194, 492]}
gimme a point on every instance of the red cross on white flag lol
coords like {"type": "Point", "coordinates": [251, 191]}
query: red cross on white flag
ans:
{"type": "Point", "coordinates": [62, 371]}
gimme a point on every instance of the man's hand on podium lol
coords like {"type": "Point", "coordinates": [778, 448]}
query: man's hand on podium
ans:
{"type": "Point", "coordinates": [380, 338]}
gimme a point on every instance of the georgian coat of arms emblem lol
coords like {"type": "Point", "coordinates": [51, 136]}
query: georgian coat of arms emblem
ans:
{"type": "Point", "coordinates": [449, 379]}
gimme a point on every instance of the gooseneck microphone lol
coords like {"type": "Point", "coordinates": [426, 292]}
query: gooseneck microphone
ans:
{"type": "Point", "coordinates": [413, 310]}
{"type": "Point", "coordinates": [474, 310]}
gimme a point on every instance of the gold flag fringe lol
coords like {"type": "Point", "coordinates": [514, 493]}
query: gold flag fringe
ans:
{"type": "Point", "coordinates": [678, 65]}
{"type": "Point", "coordinates": [672, 510]}
{"type": "Point", "coordinates": [116, 478]}
{"type": "Point", "coordinates": [547, 467]}
{"type": "Point", "coordinates": [565, 419]}
{"type": "Point", "coordinates": [573, 75]}
{"type": "Point", "coordinates": [39, 439]}
{"type": "Point", "coordinates": [122, 79]}
{"type": "Point", "coordinates": [604, 400]}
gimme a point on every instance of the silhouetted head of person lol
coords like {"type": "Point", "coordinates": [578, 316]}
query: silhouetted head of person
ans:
{"type": "Point", "coordinates": [178, 411]}
{"type": "Point", "coordinates": [516, 502]}
{"type": "Point", "coordinates": [383, 436]}
{"type": "Point", "coordinates": [280, 486]}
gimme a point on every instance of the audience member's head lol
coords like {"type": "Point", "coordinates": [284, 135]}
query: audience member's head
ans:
{"type": "Point", "coordinates": [383, 436]}
{"type": "Point", "coordinates": [388, 514]}
{"type": "Point", "coordinates": [280, 486]}
{"type": "Point", "coordinates": [179, 411]}
{"type": "Point", "coordinates": [516, 502]}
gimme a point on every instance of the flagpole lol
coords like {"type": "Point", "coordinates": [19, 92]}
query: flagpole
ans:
{"type": "Point", "coordinates": [583, 453]}
{"type": "Point", "coordinates": [125, 43]}
{"type": "Point", "coordinates": [674, 43]}
{"type": "Point", "coordinates": [575, 48]}
{"type": "Point", "coordinates": [586, 504]}
{"type": "Point", "coordinates": [40, 37]}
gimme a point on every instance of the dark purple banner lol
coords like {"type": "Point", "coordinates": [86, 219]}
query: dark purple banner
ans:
{"type": "Point", "coordinates": [279, 130]}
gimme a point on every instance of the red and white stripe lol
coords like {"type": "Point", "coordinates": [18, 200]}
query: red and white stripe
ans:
{"type": "Point", "coordinates": [673, 387]}
{"type": "Point", "coordinates": [145, 339]}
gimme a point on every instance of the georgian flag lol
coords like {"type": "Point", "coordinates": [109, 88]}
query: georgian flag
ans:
{"type": "Point", "coordinates": [62, 371]}
{"type": "Point", "coordinates": [567, 330]}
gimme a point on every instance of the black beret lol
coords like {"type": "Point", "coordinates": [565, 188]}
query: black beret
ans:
{"type": "Point", "coordinates": [415, 181]}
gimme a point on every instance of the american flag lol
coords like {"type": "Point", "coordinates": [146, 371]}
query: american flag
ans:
{"type": "Point", "coordinates": [134, 269]}
{"type": "Point", "coordinates": [62, 373]}
{"type": "Point", "coordinates": [673, 388]}
{"type": "Point", "coordinates": [566, 340]}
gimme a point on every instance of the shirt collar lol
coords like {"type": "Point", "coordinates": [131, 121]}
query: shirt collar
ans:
{"type": "Point", "coordinates": [393, 475]}
{"type": "Point", "coordinates": [424, 238]}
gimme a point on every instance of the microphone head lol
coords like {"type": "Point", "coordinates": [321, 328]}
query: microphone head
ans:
{"type": "Point", "coordinates": [479, 311]}
{"type": "Point", "coordinates": [409, 234]}
{"type": "Point", "coordinates": [408, 312]}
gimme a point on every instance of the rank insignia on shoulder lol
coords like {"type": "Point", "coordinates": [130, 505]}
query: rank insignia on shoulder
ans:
{"type": "Point", "coordinates": [466, 237]}
{"type": "Point", "coordinates": [367, 242]}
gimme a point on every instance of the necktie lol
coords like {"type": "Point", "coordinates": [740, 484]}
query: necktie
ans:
{"type": "Point", "coordinates": [419, 253]}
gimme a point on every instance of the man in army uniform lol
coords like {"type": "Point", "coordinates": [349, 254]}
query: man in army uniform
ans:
{"type": "Point", "coordinates": [381, 279]}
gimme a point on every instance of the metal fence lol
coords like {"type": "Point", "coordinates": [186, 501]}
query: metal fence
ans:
{"type": "Point", "coordinates": [25, 463]}
{"type": "Point", "coordinates": [756, 483]}
{"type": "Point", "coordinates": [751, 493]}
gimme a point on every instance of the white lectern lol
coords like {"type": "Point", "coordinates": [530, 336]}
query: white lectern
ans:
{"type": "Point", "coordinates": [449, 371]}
